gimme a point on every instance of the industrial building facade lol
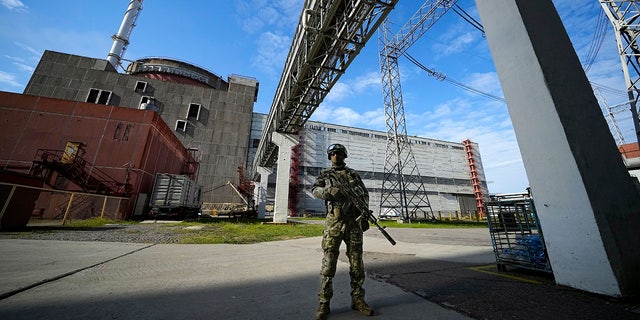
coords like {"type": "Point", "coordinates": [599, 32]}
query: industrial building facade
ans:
{"type": "Point", "coordinates": [444, 166]}
{"type": "Point", "coordinates": [86, 149]}
{"type": "Point", "coordinates": [214, 119]}
{"type": "Point", "coordinates": [208, 114]}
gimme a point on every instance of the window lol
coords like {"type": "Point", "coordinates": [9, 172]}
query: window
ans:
{"type": "Point", "coordinates": [256, 143]}
{"type": "Point", "coordinates": [361, 134]}
{"type": "Point", "coordinates": [141, 87]}
{"type": "Point", "coordinates": [127, 130]}
{"type": "Point", "coordinates": [313, 127]}
{"type": "Point", "coordinates": [194, 111]}
{"type": "Point", "coordinates": [181, 125]}
{"type": "Point", "coordinates": [99, 96]}
{"type": "Point", "coordinates": [116, 133]}
{"type": "Point", "coordinates": [147, 101]}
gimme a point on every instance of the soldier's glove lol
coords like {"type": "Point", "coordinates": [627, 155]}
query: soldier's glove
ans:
{"type": "Point", "coordinates": [335, 194]}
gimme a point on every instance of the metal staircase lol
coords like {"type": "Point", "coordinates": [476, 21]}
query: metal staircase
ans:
{"type": "Point", "coordinates": [77, 170]}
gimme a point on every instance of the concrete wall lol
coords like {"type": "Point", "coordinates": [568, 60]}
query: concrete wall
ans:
{"type": "Point", "coordinates": [220, 133]}
{"type": "Point", "coordinates": [586, 201]}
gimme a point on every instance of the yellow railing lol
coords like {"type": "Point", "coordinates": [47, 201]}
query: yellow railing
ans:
{"type": "Point", "coordinates": [67, 205]}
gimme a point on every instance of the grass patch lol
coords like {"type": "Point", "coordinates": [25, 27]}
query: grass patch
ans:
{"type": "Point", "coordinates": [93, 222]}
{"type": "Point", "coordinates": [245, 232]}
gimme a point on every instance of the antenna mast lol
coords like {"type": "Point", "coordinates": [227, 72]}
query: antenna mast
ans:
{"type": "Point", "coordinates": [121, 39]}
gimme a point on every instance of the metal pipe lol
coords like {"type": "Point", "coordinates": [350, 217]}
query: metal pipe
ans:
{"type": "Point", "coordinates": [121, 39]}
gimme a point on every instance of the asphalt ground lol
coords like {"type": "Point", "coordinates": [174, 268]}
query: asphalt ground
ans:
{"type": "Point", "coordinates": [472, 285]}
{"type": "Point", "coordinates": [429, 274]}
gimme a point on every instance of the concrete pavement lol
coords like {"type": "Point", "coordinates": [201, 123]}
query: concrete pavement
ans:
{"type": "Point", "coordinates": [273, 280]}
{"type": "Point", "coordinates": [430, 274]}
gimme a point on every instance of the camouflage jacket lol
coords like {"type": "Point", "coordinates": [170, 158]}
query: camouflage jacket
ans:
{"type": "Point", "coordinates": [332, 177]}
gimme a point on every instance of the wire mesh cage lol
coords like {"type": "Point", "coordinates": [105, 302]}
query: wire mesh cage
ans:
{"type": "Point", "coordinates": [516, 235]}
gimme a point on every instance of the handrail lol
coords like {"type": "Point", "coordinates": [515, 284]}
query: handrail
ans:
{"type": "Point", "coordinates": [93, 179]}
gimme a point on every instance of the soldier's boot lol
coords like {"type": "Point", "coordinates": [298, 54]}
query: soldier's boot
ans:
{"type": "Point", "coordinates": [323, 311]}
{"type": "Point", "coordinates": [361, 306]}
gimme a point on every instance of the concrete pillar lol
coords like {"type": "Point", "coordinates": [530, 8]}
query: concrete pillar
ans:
{"type": "Point", "coordinates": [586, 201]}
{"type": "Point", "coordinates": [284, 142]}
{"type": "Point", "coordinates": [260, 192]}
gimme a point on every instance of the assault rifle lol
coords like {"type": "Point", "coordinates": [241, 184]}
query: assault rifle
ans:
{"type": "Point", "coordinates": [356, 196]}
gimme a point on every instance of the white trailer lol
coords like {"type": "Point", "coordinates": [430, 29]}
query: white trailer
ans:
{"type": "Point", "coordinates": [174, 195]}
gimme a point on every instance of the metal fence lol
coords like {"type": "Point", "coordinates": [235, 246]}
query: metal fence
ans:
{"type": "Point", "coordinates": [62, 206]}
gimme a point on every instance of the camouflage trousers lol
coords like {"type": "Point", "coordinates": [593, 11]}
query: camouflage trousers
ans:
{"type": "Point", "coordinates": [334, 233]}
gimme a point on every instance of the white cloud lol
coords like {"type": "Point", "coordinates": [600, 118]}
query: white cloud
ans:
{"type": "Point", "coordinates": [278, 17]}
{"type": "Point", "coordinates": [339, 91]}
{"type": "Point", "coordinates": [337, 115]}
{"type": "Point", "coordinates": [367, 81]}
{"type": "Point", "coordinates": [16, 5]}
{"type": "Point", "coordinates": [375, 119]}
{"type": "Point", "coordinates": [9, 79]}
{"type": "Point", "coordinates": [346, 116]}
{"type": "Point", "coordinates": [351, 88]}
{"type": "Point", "coordinates": [272, 52]}
{"type": "Point", "coordinates": [459, 43]}
{"type": "Point", "coordinates": [485, 82]}
{"type": "Point", "coordinates": [256, 15]}
{"type": "Point", "coordinates": [24, 67]}
{"type": "Point", "coordinates": [13, 58]}
{"type": "Point", "coordinates": [371, 119]}
{"type": "Point", "coordinates": [20, 63]}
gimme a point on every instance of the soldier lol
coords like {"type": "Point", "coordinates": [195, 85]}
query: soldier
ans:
{"type": "Point", "coordinates": [343, 223]}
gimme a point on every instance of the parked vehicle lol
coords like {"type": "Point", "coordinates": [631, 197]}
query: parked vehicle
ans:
{"type": "Point", "coordinates": [175, 196]}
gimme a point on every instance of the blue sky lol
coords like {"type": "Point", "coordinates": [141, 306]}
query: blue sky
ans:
{"type": "Point", "coordinates": [252, 38]}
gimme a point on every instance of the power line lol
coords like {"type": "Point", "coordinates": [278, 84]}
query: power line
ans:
{"type": "Point", "coordinates": [608, 89]}
{"type": "Point", "coordinates": [596, 43]}
{"type": "Point", "coordinates": [468, 18]}
{"type": "Point", "coordinates": [443, 77]}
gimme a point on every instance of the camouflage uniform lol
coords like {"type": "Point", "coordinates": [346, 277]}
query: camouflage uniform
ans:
{"type": "Point", "coordinates": [340, 225]}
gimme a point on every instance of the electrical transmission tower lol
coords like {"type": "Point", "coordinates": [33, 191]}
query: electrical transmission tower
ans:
{"type": "Point", "coordinates": [623, 15]}
{"type": "Point", "coordinates": [609, 116]}
{"type": "Point", "coordinates": [402, 186]}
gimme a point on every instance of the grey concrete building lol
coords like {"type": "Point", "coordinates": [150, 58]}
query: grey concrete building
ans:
{"type": "Point", "coordinates": [208, 114]}
{"type": "Point", "coordinates": [443, 166]}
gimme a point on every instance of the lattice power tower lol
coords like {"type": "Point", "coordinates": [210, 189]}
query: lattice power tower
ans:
{"type": "Point", "coordinates": [402, 187]}
{"type": "Point", "coordinates": [624, 16]}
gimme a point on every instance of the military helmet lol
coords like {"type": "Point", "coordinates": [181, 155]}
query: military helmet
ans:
{"type": "Point", "coordinates": [336, 147]}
